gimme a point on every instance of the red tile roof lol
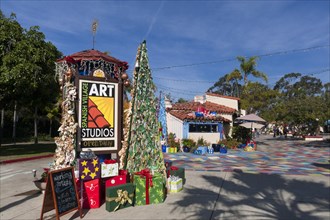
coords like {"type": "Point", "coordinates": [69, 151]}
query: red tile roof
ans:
{"type": "Point", "coordinates": [222, 96]}
{"type": "Point", "coordinates": [189, 115]}
{"type": "Point", "coordinates": [209, 106]}
{"type": "Point", "coordinates": [186, 111]}
{"type": "Point", "coordinates": [95, 55]}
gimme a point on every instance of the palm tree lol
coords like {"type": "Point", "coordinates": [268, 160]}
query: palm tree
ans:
{"type": "Point", "coordinates": [247, 67]}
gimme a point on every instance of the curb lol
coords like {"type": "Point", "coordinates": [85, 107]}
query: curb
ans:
{"type": "Point", "coordinates": [26, 159]}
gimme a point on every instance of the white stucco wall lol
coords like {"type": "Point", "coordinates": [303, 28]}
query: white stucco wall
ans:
{"type": "Point", "coordinates": [174, 125]}
{"type": "Point", "coordinates": [232, 103]}
{"type": "Point", "coordinates": [213, 138]}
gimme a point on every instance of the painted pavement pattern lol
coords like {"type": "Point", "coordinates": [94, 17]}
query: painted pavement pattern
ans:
{"type": "Point", "coordinates": [281, 158]}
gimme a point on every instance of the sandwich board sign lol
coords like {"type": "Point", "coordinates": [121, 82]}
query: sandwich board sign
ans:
{"type": "Point", "coordinates": [61, 193]}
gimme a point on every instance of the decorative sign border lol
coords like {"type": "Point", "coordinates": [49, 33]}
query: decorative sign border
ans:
{"type": "Point", "coordinates": [98, 115]}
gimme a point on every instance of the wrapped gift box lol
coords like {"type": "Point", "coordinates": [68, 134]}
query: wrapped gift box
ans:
{"type": "Point", "coordinates": [109, 168]}
{"type": "Point", "coordinates": [177, 171]}
{"type": "Point", "coordinates": [168, 163]}
{"type": "Point", "coordinates": [150, 189]}
{"type": "Point", "coordinates": [91, 194]}
{"type": "Point", "coordinates": [89, 169]}
{"type": "Point", "coordinates": [122, 178]}
{"type": "Point", "coordinates": [203, 149]}
{"type": "Point", "coordinates": [175, 184]}
{"type": "Point", "coordinates": [119, 197]}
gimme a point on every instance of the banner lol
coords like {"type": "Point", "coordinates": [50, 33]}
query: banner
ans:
{"type": "Point", "coordinates": [98, 115]}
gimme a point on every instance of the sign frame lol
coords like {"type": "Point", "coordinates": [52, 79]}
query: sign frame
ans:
{"type": "Point", "coordinates": [50, 201]}
{"type": "Point", "coordinates": [100, 144]}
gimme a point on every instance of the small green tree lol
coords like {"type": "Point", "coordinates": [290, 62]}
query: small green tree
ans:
{"type": "Point", "coordinates": [144, 148]}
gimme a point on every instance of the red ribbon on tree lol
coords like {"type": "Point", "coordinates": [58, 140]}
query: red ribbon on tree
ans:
{"type": "Point", "coordinates": [148, 176]}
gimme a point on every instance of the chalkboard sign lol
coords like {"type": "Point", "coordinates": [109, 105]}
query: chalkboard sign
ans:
{"type": "Point", "coordinates": [61, 193]}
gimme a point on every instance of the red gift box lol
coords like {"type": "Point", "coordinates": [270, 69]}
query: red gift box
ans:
{"type": "Point", "coordinates": [92, 195]}
{"type": "Point", "coordinates": [122, 178]}
{"type": "Point", "coordinates": [169, 170]}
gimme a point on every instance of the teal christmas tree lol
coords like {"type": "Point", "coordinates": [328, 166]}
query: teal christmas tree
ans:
{"type": "Point", "coordinates": [162, 118]}
{"type": "Point", "coordinates": [144, 148]}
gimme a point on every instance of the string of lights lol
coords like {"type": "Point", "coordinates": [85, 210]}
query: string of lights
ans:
{"type": "Point", "coordinates": [183, 80]}
{"type": "Point", "coordinates": [208, 82]}
{"type": "Point", "coordinates": [232, 59]}
{"type": "Point", "coordinates": [184, 92]}
{"type": "Point", "coordinates": [178, 90]}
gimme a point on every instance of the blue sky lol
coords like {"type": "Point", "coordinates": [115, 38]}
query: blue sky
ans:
{"type": "Point", "coordinates": [187, 36]}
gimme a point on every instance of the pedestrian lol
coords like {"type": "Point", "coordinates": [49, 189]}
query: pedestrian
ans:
{"type": "Point", "coordinates": [285, 131]}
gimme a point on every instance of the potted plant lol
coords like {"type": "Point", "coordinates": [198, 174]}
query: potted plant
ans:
{"type": "Point", "coordinates": [188, 144]}
{"type": "Point", "coordinates": [42, 182]}
{"type": "Point", "coordinates": [173, 142]}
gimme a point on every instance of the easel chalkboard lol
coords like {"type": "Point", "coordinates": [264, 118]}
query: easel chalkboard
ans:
{"type": "Point", "coordinates": [61, 193]}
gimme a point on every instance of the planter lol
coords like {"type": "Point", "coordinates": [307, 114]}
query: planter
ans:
{"type": "Point", "coordinates": [216, 147]}
{"type": "Point", "coordinates": [186, 149]}
{"type": "Point", "coordinates": [40, 184]}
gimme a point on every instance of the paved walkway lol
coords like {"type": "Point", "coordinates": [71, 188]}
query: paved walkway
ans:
{"type": "Point", "coordinates": [215, 194]}
{"type": "Point", "coordinates": [274, 156]}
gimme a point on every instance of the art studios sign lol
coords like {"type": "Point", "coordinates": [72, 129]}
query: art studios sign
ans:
{"type": "Point", "coordinates": [98, 115]}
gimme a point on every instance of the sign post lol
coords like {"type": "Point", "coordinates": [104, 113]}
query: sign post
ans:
{"type": "Point", "coordinates": [61, 193]}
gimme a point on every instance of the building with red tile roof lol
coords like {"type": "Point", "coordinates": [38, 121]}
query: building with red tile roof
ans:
{"type": "Point", "coordinates": [209, 116]}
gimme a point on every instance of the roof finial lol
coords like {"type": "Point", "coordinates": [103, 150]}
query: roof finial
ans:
{"type": "Point", "coordinates": [94, 28]}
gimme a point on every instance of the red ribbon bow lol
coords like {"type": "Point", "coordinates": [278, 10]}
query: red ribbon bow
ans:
{"type": "Point", "coordinates": [148, 176]}
{"type": "Point", "coordinates": [109, 161]}
{"type": "Point", "coordinates": [171, 168]}
{"type": "Point", "coordinates": [174, 168]}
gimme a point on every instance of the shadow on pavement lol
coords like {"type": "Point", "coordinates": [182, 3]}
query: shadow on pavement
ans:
{"type": "Point", "coordinates": [323, 165]}
{"type": "Point", "coordinates": [258, 196]}
{"type": "Point", "coordinates": [30, 195]}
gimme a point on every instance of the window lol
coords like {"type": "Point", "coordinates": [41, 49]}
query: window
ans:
{"type": "Point", "coordinates": [203, 128]}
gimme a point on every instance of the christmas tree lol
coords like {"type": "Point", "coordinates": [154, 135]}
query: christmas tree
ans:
{"type": "Point", "coordinates": [162, 118]}
{"type": "Point", "coordinates": [144, 149]}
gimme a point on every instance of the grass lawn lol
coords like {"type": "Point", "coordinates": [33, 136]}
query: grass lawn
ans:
{"type": "Point", "coordinates": [22, 150]}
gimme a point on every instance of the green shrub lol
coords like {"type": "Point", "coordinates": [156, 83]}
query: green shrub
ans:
{"type": "Point", "coordinates": [202, 142]}
{"type": "Point", "coordinates": [188, 142]}
{"type": "Point", "coordinates": [230, 143]}
{"type": "Point", "coordinates": [172, 142]}
{"type": "Point", "coordinates": [241, 134]}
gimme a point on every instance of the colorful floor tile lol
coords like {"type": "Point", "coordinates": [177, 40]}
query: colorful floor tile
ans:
{"type": "Point", "coordinates": [280, 157]}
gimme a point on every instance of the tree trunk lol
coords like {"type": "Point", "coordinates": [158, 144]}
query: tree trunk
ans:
{"type": "Point", "coordinates": [14, 123]}
{"type": "Point", "coordinates": [36, 125]}
{"type": "Point", "coordinates": [50, 127]}
{"type": "Point", "coordinates": [2, 124]}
